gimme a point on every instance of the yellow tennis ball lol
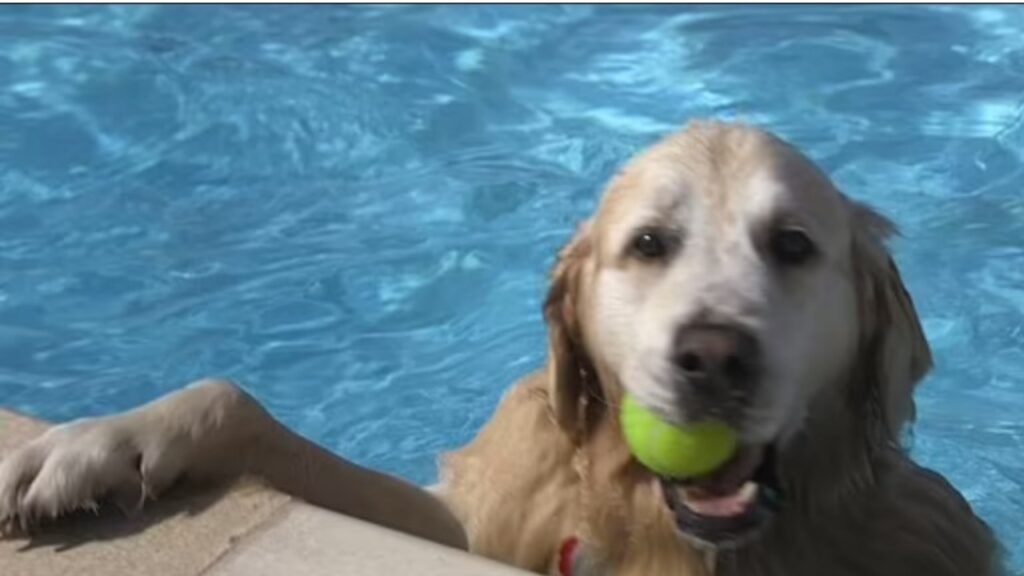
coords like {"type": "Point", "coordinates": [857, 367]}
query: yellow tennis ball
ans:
{"type": "Point", "coordinates": [675, 451]}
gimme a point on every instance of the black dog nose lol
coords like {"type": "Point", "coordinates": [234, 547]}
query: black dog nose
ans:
{"type": "Point", "coordinates": [717, 355]}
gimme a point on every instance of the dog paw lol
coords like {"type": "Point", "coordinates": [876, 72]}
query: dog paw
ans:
{"type": "Point", "coordinates": [68, 468]}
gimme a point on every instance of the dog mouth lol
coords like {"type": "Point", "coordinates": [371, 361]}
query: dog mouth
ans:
{"type": "Point", "coordinates": [731, 505]}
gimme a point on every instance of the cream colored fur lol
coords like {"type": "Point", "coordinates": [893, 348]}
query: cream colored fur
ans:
{"type": "Point", "coordinates": [843, 351]}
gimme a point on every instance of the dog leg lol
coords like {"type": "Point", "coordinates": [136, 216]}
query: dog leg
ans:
{"type": "Point", "coordinates": [211, 430]}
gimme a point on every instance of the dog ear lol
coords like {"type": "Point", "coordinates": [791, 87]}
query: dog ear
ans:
{"type": "Point", "coordinates": [898, 355]}
{"type": "Point", "coordinates": [568, 363]}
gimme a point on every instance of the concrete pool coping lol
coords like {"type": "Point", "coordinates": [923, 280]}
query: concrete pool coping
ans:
{"type": "Point", "coordinates": [243, 530]}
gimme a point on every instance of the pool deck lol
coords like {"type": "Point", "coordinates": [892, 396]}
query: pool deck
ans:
{"type": "Point", "coordinates": [243, 530]}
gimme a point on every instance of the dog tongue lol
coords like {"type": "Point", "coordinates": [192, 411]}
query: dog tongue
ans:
{"type": "Point", "coordinates": [731, 477]}
{"type": "Point", "coordinates": [733, 504]}
{"type": "Point", "coordinates": [728, 491]}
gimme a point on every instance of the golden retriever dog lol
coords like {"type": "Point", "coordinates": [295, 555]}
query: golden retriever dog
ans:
{"type": "Point", "coordinates": [723, 277]}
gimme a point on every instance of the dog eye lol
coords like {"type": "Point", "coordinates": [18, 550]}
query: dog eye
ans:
{"type": "Point", "coordinates": [791, 247]}
{"type": "Point", "coordinates": [651, 245]}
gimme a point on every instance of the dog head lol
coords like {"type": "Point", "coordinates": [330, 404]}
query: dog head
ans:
{"type": "Point", "coordinates": [724, 277]}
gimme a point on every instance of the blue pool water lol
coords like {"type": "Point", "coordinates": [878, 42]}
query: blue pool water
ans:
{"type": "Point", "coordinates": [352, 209]}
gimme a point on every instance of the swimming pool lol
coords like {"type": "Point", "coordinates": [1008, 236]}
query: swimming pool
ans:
{"type": "Point", "coordinates": [352, 209]}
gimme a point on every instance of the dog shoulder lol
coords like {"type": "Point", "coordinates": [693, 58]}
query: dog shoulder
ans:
{"type": "Point", "coordinates": [514, 486]}
{"type": "Point", "coordinates": [928, 527]}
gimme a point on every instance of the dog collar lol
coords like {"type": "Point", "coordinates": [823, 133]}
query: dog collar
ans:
{"type": "Point", "coordinates": [567, 555]}
{"type": "Point", "coordinates": [574, 561]}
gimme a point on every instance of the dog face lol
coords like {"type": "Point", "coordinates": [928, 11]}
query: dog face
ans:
{"type": "Point", "coordinates": [723, 287]}
{"type": "Point", "coordinates": [725, 278]}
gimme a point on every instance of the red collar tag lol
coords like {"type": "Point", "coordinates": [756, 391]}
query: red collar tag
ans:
{"type": "Point", "coordinates": [567, 555]}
